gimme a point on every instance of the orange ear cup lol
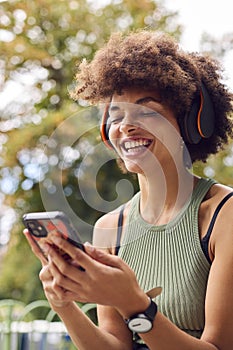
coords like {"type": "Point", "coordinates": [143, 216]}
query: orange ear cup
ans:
{"type": "Point", "coordinates": [103, 128]}
{"type": "Point", "coordinates": [199, 115]}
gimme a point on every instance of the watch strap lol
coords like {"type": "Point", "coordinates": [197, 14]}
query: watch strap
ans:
{"type": "Point", "coordinates": [149, 313]}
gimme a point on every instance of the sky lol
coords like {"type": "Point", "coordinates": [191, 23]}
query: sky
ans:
{"type": "Point", "coordinates": [198, 16]}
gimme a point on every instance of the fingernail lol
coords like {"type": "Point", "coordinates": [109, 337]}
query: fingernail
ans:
{"type": "Point", "coordinates": [45, 247]}
{"type": "Point", "coordinates": [49, 258]}
{"type": "Point", "coordinates": [56, 239]}
{"type": "Point", "coordinates": [89, 247]}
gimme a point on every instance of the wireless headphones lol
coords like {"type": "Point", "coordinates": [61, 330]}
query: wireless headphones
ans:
{"type": "Point", "coordinates": [198, 124]}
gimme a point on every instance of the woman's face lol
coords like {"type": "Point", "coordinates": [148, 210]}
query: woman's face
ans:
{"type": "Point", "coordinates": [143, 130]}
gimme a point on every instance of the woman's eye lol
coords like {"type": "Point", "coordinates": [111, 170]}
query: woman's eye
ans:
{"type": "Point", "coordinates": [148, 114]}
{"type": "Point", "coordinates": [115, 120]}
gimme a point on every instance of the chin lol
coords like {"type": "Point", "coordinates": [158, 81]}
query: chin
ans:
{"type": "Point", "coordinates": [133, 167]}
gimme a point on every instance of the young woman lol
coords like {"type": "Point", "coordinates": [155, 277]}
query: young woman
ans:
{"type": "Point", "coordinates": [162, 266]}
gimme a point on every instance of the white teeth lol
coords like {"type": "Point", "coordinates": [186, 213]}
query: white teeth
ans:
{"type": "Point", "coordinates": [133, 144]}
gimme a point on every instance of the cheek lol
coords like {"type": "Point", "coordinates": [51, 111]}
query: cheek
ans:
{"type": "Point", "coordinates": [113, 137]}
{"type": "Point", "coordinates": [112, 134]}
{"type": "Point", "coordinates": [164, 130]}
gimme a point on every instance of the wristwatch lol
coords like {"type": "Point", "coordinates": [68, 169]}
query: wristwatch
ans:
{"type": "Point", "coordinates": [143, 321]}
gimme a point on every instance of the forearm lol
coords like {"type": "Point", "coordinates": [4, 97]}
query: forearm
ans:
{"type": "Point", "coordinates": [84, 333]}
{"type": "Point", "coordinates": [166, 336]}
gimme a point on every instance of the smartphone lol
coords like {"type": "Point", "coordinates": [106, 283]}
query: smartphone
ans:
{"type": "Point", "coordinates": [41, 224]}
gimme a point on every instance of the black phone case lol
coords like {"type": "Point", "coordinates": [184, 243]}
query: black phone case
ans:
{"type": "Point", "coordinates": [40, 224]}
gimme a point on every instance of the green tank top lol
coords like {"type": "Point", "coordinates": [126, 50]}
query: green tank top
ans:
{"type": "Point", "coordinates": [171, 256]}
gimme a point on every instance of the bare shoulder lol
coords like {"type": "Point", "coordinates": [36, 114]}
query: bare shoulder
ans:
{"type": "Point", "coordinates": [213, 198]}
{"type": "Point", "coordinates": [222, 234]}
{"type": "Point", "coordinates": [105, 229]}
{"type": "Point", "coordinates": [217, 194]}
{"type": "Point", "coordinates": [220, 283]}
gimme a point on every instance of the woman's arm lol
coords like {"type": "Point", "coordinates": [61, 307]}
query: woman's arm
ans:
{"type": "Point", "coordinates": [87, 336]}
{"type": "Point", "coordinates": [219, 294]}
{"type": "Point", "coordinates": [84, 333]}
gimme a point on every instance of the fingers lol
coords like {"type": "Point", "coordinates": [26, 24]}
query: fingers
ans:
{"type": "Point", "coordinates": [59, 289]}
{"type": "Point", "coordinates": [77, 256]}
{"type": "Point", "coordinates": [56, 295]}
{"type": "Point", "coordinates": [64, 274]}
{"type": "Point", "coordinates": [104, 280]}
{"type": "Point", "coordinates": [103, 257]}
{"type": "Point", "coordinates": [35, 247]}
{"type": "Point", "coordinates": [90, 258]}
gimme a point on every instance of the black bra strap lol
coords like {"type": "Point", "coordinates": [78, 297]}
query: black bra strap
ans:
{"type": "Point", "coordinates": [119, 230]}
{"type": "Point", "coordinates": [205, 240]}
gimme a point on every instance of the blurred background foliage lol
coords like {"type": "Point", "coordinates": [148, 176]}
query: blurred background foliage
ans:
{"type": "Point", "coordinates": [41, 43]}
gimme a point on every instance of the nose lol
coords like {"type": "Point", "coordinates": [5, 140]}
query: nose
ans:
{"type": "Point", "coordinates": [127, 128]}
{"type": "Point", "coordinates": [128, 124]}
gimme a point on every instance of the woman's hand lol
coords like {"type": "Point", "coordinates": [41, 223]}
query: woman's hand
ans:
{"type": "Point", "coordinates": [107, 280]}
{"type": "Point", "coordinates": [55, 297]}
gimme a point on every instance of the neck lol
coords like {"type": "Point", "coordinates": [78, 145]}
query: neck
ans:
{"type": "Point", "coordinates": [164, 193]}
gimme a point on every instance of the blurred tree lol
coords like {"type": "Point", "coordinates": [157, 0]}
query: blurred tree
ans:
{"type": "Point", "coordinates": [49, 146]}
{"type": "Point", "coordinates": [51, 154]}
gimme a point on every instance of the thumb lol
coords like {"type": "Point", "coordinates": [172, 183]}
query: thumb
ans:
{"type": "Point", "coordinates": [101, 256]}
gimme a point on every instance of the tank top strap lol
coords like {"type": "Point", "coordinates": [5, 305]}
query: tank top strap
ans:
{"type": "Point", "coordinates": [200, 191]}
{"type": "Point", "coordinates": [119, 229]}
{"type": "Point", "coordinates": [133, 206]}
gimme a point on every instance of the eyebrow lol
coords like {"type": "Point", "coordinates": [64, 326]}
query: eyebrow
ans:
{"type": "Point", "coordinates": [146, 99]}
{"type": "Point", "coordinates": [140, 101]}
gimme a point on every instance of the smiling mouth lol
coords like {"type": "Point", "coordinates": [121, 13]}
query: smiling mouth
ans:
{"type": "Point", "coordinates": [136, 146]}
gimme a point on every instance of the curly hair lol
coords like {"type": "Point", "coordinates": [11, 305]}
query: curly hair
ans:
{"type": "Point", "coordinates": [153, 60]}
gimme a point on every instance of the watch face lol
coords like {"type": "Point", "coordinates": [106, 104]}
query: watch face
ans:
{"type": "Point", "coordinates": [140, 325]}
